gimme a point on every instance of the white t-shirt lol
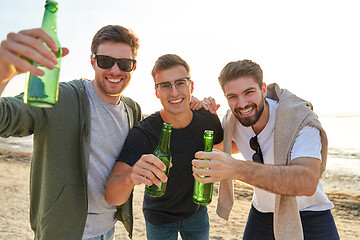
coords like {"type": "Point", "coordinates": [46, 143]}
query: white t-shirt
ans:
{"type": "Point", "coordinates": [307, 144]}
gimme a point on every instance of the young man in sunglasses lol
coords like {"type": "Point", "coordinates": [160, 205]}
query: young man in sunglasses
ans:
{"type": "Point", "coordinates": [285, 149]}
{"type": "Point", "coordinates": [77, 141]}
{"type": "Point", "coordinates": [174, 212]}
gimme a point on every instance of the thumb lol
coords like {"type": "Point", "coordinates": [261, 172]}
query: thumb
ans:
{"type": "Point", "coordinates": [65, 51]}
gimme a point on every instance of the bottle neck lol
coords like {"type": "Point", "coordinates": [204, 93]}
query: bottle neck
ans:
{"type": "Point", "coordinates": [164, 143]}
{"type": "Point", "coordinates": [208, 143]}
{"type": "Point", "coordinates": [49, 23]}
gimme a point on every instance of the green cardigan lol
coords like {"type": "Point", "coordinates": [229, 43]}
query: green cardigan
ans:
{"type": "Point", "coordinates": [58, 177]}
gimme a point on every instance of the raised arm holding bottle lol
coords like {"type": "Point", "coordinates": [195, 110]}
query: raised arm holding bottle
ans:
{"type": "Point", "coordinates": [23, 52]}
{"type": "Point", "coordinates": [20, 47]}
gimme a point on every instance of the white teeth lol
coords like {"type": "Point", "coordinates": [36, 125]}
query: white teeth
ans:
{"type": "Point", "coordinates": [176, 101]}
{"type": "Point", "coordinates": [246, 111]}
{"type": "Point", "coordinates": [114, 80]}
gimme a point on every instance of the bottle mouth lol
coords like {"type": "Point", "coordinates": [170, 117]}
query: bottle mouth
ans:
{"type": "Point", "coordinates": [51, 6]}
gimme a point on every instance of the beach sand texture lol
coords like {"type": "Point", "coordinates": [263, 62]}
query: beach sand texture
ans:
{"type": "Point", "coordinates": [14, 208]}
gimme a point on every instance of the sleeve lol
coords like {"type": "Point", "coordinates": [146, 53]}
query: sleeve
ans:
{"type": "Point", "coordinates": [18, 119]}
{"type": "Point", "coordinates": [307, 144]}
{"type": "Point", "coordinates": [133, 148]}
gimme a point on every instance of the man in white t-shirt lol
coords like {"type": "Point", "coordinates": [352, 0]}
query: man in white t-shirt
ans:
{"type": "Point", "coordinates": [256, 135]}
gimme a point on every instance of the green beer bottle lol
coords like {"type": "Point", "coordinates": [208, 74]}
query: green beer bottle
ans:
{"type": "Point", "coordinates": [203, 191]}
{"type": "Point", "coordinates": [163, 153]}
{"type": "Point", "coordinates": [42, 91]}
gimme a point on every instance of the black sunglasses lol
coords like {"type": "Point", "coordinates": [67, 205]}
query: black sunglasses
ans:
{"type": "Point", "coordinates": [106, 62]}
{"type": "Point", "coordinates": [254, 145]}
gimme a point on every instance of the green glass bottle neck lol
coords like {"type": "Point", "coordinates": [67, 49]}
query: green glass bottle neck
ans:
{"type": "Point", "coordinates": [208, 142]}
{"type": "Point", "coordinates": [49, 22]}
{"type": "Point", "coordinates": [164, 143]}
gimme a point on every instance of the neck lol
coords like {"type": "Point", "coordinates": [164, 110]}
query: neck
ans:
{"type": "Point", "coordinates": [111, 99]}
{"type": "Point", "coordinates": [177, 120]}
{"type": "Point", "coordinates": [263, 120]}
{"type": "Point", "coordinates": [114, 100]}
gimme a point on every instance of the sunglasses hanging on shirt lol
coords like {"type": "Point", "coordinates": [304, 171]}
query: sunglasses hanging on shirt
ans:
{"type": "Point", "coordinates": [254, 145]}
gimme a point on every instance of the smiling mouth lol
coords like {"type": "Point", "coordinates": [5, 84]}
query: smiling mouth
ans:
{"type": "Point", "coordinates": [114, 80]}
{"type": "Point", "coordinates": [176, 101]}
{"type": "Point", "coordinates": [246, 111]}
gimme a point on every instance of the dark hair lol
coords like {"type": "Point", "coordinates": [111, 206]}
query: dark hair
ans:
{"type": "Point", "coordinates": [168, 61]}
{"type": "Point", "coordinates": [115, 33]}
{"type": "Point", "coordinates": [242, 68]}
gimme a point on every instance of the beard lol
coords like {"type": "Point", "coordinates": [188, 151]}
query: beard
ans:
{"type": "Point", "coordinates": [252, 120]}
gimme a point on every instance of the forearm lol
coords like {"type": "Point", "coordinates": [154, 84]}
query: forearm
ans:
{"type": "Point", "coordinates": [294, 179]}
{"type": "Point", "coordinates": [300, 178]}
{"type": "Point", "coordinates": [5, 78]}
{"type": "Point", "coordinates": [118, 187]}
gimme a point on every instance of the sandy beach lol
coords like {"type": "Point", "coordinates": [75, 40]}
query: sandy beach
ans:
{"type": "Point", "coordinates": [14, 208]}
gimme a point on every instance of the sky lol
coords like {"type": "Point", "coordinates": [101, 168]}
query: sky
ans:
{"type": "Point", "coordinates": [311, 48]}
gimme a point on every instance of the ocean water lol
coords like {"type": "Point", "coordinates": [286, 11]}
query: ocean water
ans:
{"type": "Point", "coordinates": [343, 133]}
{"type": "Point", "coordinates": [343, 165]}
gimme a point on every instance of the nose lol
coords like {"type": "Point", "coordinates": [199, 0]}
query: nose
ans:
{"type": "Point", "coordinates": [173, 89]}
{"type": "Point", "coordinates": [241, 102]}
{"type": "Point", "coordinates": [115, 68]}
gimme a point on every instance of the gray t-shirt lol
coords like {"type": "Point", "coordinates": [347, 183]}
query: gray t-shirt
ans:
{"type": "Point", "coordinates": [109, 129]}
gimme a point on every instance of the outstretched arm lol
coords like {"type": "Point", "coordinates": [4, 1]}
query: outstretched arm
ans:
{"type": "Point", "coordinates": [300, 178]}
{"type": "Point", "coordinates": [20, 47]}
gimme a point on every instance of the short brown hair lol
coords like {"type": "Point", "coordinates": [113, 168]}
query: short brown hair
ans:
{"type": "Point", "coordinates": [115, 33]}
{"type": "Point", "coordinates": [242, 68]}
{"type": "Point", "coordinates": [168, 61]}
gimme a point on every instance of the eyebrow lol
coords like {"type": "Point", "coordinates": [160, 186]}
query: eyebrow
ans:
{"type": "Point", "coordinates": [248, 89]}
{"type": "Point", "coordinates": [234, 94]}
{"type": "Point", "coordinates": [230, 94]}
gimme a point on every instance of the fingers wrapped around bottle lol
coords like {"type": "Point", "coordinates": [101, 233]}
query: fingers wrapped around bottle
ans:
{"type": "Point", "coordinates": [149, 170]}
{"type": "Point", "coordinates": [22, 48]}
{"type": "Point", "coordinates": [214, 166]}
